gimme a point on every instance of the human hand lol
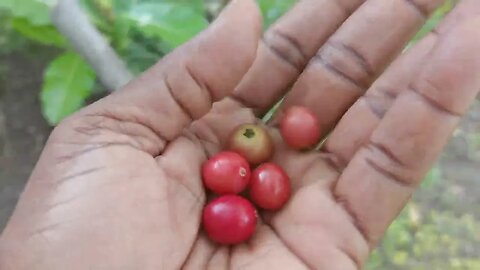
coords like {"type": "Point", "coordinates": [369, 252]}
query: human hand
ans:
{"type": "Point", "coordinates": [118, 185]}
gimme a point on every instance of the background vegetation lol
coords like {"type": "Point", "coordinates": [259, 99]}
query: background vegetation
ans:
{"type": "Point", "coordinates": [431, 233]}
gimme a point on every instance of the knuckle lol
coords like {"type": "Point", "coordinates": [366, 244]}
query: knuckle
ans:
{"type": "Point", "coordinates": [347, 63]}
{"type": "Point", "coordinates": [383, 160]}
{"type": "Point", "coordinates": [433, 95]}
{"type": "Point", "coordinates": [286, 47]}
{"type": "Point", "coordinates": [379, 104]}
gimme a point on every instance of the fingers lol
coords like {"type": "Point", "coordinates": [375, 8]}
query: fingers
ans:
{"type": "Point", "coordinates": [382, 176]}
{"type": "Point", "coordinates": [355, 55]}
{"type": "Point", "coordinates": [183, 85]}
{"type": "Point", "coordinates": [265, 81]}
{"type": "Point", "coordinates": [286, 48]}
{"type": "Point", "coordinates": [356, 126]}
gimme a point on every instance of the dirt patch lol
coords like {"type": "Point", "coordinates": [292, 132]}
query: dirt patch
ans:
{"type": "Point", "coordinates": [23, 130]}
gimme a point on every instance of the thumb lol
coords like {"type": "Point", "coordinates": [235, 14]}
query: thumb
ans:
{"type": "Point", "coordinates": [183, 85]}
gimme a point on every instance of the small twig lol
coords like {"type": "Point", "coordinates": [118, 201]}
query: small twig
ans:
{"type": "Point", "coordinates": [69, 18]}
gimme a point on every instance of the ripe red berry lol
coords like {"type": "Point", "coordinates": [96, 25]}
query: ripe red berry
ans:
{"type": "Point", "coordinates": [269, 186]}
{"type": "Point", "coordinates": [300, 128]}
{"type": "Point", "coordinates": [252, 142]}
{"type": "Point", "coordinates": [229, 219]}
{"type": "Point", "coordinates": [226, 172]}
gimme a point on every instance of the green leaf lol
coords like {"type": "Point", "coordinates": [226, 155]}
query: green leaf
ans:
{"type": "Point", "coordinates": [120, 34]}
{"type": "Point", "coordinates": [44, 34]}
{"type": "Point", "coordinates": [273, 9]}
{"type": "Point", "coordinates": [433, 176]}
{"type": "Point", "coordinates": [68, 81]}
{"type": "Point", "coordinates": [99, 14]}
{"type": "Point", "coordinates": [105, 4]}
{"type": "Point", "coordinates": [174, 23]}
{"type": "Point", "coordinates": [120, 6]}
{"type": "Point", "coordinates": [139, 57]}
{"type": "Point", "coordinates": [198, 5]}
{"type": "Point", "coordinates": [7, 5]}
{"type": "Point", "coordinates": [35, 11]}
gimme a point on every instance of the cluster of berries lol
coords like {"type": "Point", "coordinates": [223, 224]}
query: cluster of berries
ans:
{"type": "Point", "coordinates": [231, 218]}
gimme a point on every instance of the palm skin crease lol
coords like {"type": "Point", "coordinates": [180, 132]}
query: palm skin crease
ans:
{"type": "Point", "coordinates": [118, 184]}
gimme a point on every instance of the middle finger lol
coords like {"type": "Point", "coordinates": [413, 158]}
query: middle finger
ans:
{"type": "Point", "coordinates": [286, 48]}
{"type": "Point", "coordinates": [355, 55]}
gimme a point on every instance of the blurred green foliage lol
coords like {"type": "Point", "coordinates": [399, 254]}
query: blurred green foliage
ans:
{"type": "Point", "coordinates": [273, 9]}
{"type": "Point", "coordinates": [143, 31]}
{"type": "Point", "coordinates": [425, 240]}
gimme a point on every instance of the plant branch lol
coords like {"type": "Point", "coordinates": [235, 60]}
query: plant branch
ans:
{"type": "Point", "coordinates": [69, 18]}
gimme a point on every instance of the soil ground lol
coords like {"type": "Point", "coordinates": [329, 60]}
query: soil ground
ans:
{"type": "Point", "coordinates": [23, 130]}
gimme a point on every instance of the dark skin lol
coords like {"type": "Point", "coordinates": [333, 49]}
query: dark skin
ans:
{"type": "Point", "coordinates": [118, 184]}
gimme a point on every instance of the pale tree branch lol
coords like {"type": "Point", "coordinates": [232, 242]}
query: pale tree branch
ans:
{"type": "Point", "coordinates": [69, 18]}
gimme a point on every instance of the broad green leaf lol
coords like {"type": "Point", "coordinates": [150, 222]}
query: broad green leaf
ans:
{"type": "Point", "coordinates": [199, 5]}
{"type": "Point", "coordinates": [273, 9]}
{"type": "Point", "coordinates": [174, 23]}
{"type": "Point", "coordinates": [68, 81]}
{"type": "Point", "coordinates": [35, 11]}
{"type": "Point", "coordinates": [120, 34]}
{"type": "Point", "coordinates": [44, 34]}
{"type": "Point", "coordinates": [139, 56]}
{"type": "Point", "coordinates": [7, 4]}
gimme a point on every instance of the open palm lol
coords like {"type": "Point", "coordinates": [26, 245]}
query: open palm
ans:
{"type": "Point", "coordinates": [118, 185]}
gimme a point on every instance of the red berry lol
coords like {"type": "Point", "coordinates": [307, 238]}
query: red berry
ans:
{"type": "Point", "coordinates": [269, 186]}
{"type": "Point", "coordinates": [300, 127]}
{"type": "Point", "coordinates": [252, 142]}
{"type": "Point", "coordinates": [226, 172]}
{"type": "Point", "coordinates": [229, 219]}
